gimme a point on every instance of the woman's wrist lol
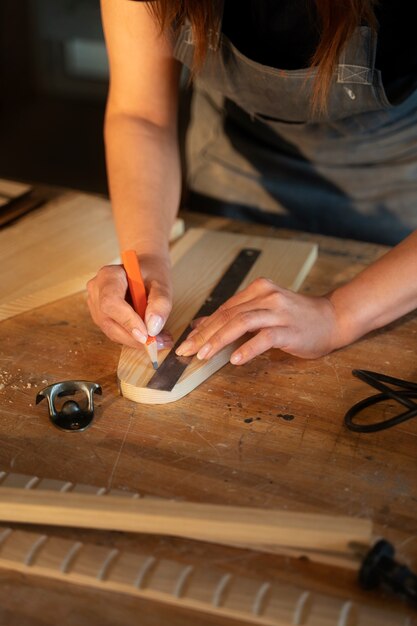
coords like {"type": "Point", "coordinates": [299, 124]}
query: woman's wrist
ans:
{"type": "Point", "coordinates": [155, 245]}
{"type": "Point", "coordinates": [353, 317]}
{"type": "Point", "coordinates": [347, 327]}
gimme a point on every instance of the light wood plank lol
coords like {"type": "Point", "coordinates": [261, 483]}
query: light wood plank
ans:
{"type": "Point", "coordinates": [204, 522]}
{"type": "Point", "coordinates": [199, 261]}
{"type": "Point", "coordinates": [349, 560]}
{"type": "Point", "coordinates": [10, 189]}
{"type": "Point", "coordinates": [52, 253]}
{"type": "Point", "coordinates": [69, 238]}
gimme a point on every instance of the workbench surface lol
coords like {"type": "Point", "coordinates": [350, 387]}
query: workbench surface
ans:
{"type": "Point", "coordinates": [269, 434]}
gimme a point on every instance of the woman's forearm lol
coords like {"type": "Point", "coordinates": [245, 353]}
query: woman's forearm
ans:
{"type": "Point", "coordinates": [381, 293]}
{"type": "Point", "coordinates": [143, 168]}
{"type": "Point", "coordinates": [144, 179]}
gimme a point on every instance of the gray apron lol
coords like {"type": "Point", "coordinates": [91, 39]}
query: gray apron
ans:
{"type": "Point", "coordinates": [255, 149]}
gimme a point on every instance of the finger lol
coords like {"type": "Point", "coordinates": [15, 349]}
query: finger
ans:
{"type": "Point", "coordinates": [117, 309]}
{"type": "Point", "coordinates": [242, 323]}
{"type": "Point", "coordinates": [258, 287]}
{"type": "Point", "coordinates": [164, 341]}
{"type": "Point", "coordinates": [221, 318]}
{"type": "Point", "coordinates": [118, 334]}
{"type": "Point", "coordinates": [204, 330]}
{"type": "Point", "coordinates": [106, 299]}
{"type": "Point", "coordinates": [275, 337]}
{"type": "Point", "coordinates": [195, 323]}
{"type": "Point", "coordinates": [159, 307]}
{"type": "Point", "coordinates": [93, 295]}
{"type": "Point", "coordinates": [91, 303]}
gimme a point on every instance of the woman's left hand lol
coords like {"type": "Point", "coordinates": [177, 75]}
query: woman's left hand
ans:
{"type": "Point", "coordinates": [303, 326]}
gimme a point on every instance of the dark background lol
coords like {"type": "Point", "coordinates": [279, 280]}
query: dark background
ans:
{"type": "Point", "coordinates": [53, 85]}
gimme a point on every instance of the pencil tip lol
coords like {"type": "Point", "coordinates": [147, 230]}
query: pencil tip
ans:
{"type": "Point", "coordinates": [155, 365]}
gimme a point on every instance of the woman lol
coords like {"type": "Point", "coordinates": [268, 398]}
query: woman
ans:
{"type": "Point", "coordinates": [293, 123]}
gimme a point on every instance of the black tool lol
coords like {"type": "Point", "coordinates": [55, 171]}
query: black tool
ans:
{"type": "Point", "coordinates": [380, 569]}
{"type": "Point", "coordinates": [71, 416]}
{"type": "Point", "coordinates": [403, 393]}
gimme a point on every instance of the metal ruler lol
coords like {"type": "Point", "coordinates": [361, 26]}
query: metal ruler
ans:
{"type": "Point", "coordinates": [170, 371]}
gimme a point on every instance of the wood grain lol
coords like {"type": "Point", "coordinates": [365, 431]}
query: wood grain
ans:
{"type": "Point", "coordinates": [250, 600]}
{"type": "Point", "coordinates": [199, 261]}
{"type": "Point", "coordinates": [53, 253]}
{"type": "Point", "coordinates": [11, 189]}
{"type": "Point", "coordinates": [204, 522]}
{"type": "Point", "coordinates": [266, 435]}
{"type": "Point", "coordinates": [350, 559]}
{"type": "Point", "coordinates": [17, 207]}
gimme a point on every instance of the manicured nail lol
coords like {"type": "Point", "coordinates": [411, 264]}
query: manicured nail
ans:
{"type": "Point", "coordinates": [154, 324]}
{"type": "Point", "coordinates": [236, 358]}
{"type": "Point", "coordinates": [203, 352]}
{"type": "Point", "coordinates": [139, 336]}
{"type": "Point", "coordinates": [164, 344]}
{"type": "Point", "coordinates": [186, 346]}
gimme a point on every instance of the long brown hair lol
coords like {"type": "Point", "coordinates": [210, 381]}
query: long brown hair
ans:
{"type": "Point", "coordinates": [338, 19]}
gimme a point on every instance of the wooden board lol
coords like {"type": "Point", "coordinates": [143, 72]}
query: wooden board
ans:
{"type": "Point", "coordinates": [177, 583]}
{"type": "Point", "coordinates": [53, 253]}
{"type": "Point", "coordinates": [9, 190]}
{"type": "Point", "coordinates": [199, 261]}
{"type": "Point", "coordinates": [350, 558]}
{"type": "Point", "coordinates": [205, 522]}
{"type": "Point", "coordinates": [16, 208]}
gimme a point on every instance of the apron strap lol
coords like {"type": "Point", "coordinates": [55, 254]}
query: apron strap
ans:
{"type": "Point", "coordinates": [357, 61]}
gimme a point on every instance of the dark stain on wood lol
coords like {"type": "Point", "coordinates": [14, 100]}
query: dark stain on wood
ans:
{"type": "Point", "coordinates": [286, 416]}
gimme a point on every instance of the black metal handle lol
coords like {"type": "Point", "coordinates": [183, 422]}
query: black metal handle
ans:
{"type": "Point", "coordinates": [380, 569]}
{"type": "Point", "coordinates": [71, 417]}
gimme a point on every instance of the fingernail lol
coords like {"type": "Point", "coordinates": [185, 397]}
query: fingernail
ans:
{"type": "Point", "coordinates": [186, 346]}
{"type": "Point", "coordinates": [164, 344]}
{"type": "Point", "coordinates": [154, 324]}
{"type": "Point", "coordinates": [139, 336]}
{"type": "Point", "coordinates": [203, 352]}
{"type": "Point", "coordinates": [236, 358]}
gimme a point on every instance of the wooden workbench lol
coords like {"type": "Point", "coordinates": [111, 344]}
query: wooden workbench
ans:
{"type": "Point", "coordinates": [269, 434]}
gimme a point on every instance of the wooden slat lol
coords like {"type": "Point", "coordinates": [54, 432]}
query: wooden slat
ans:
{"type": "Point", "coordinates": [205, 522]}
{"type": "Point", "coordinates": [213, 591]}
{"type": "Point", "coordinates": [350, 560]}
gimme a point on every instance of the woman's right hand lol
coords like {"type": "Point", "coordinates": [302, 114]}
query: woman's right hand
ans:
{"type": "Point", "coordinates": [116, 318]}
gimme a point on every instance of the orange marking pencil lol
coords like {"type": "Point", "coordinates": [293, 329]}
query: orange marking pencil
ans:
{"type": "Point", "coordinates": [139, 300]}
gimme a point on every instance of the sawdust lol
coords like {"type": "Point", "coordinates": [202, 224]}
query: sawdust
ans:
{"type": "Point", "coordinates": [5, 378]}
